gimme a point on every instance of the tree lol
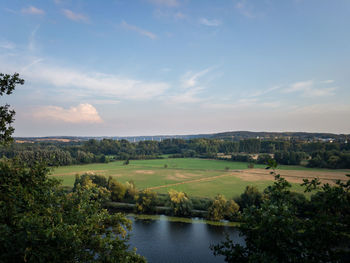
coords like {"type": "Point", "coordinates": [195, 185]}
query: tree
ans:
{"type": "Point", "coordinates": [217, 209]}
{"type": "Point", "coordinates": [276, 232]}
{"type": "Point", "coordinates": [146, 201]}
{"type": "Point", "coordinates": [221, 209]}
{"type": "Point", "coordinates": [180, 204]}
{"type": "Point", "coordinates": [232, 210]}
{"type": "Point", "coordinates": [40, 222]}
{"type": "Point", "coordinates": [118, 190]}
{"type": "Point", "coordinates": [7, 86]}
{"type": "Point", "coordinates": [251, 196]}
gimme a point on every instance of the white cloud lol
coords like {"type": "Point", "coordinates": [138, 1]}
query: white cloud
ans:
{"type": "Point", "coordinates": [308, 89]}
{"type": "Point", "coordinates": [190, 79]}
{"type": "Point", "coordinates": [207, 22]}
{"type": "Point", "coordinates": [32, 10]}
{"type": "Point", "coordinates": [168, 3]}
{"type": "Point", "coordinates": [83, 113]}
{"type": "Point", "coordinates": [75, 16]}
{"type": "Point", "coordinates": [138, 30]}
{"type": "Point", "coordinates": [299, 86]}
{"type": "Point", "coordinates": [93, 84]}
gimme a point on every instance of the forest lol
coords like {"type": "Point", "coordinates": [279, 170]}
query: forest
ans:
{"type": "Point", "coordinates": [333, 155]}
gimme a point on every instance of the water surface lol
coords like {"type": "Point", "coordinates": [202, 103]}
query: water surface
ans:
{"type": "Point", "coordinates": [162, 241]}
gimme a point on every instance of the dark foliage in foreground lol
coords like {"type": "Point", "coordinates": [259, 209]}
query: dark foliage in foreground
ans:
{"type": "Point", "coordinates": [39, 222]}
{"type": "Point", "coordinates": [277, 231]}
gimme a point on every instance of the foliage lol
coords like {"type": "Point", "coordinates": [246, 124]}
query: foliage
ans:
{"type": "Point", "coordinates": [117, 189]}
{"type": "Point", "coordinates": [232, 210]}
{"type": "Point", "coordinates": [221, 208]}
{"type": "Point", "coordinates": [330, 159]}
{"type": "Point", "coordinates": [275, 232]}
{"type": "Point", "coordinates": [180, 204]}
{"type": "Point", "coordinates": [131, 191]}
{"type": "Point", "coordinates": [250, 197]}
{"type": "Point", "coordinates": [146, 201]}
{"type": "Point", "coordinates": [7, 86]}
{"type": "Point", "coordinates": [217, 210]}
{"type": "Point", "coordinates": [40, 222]}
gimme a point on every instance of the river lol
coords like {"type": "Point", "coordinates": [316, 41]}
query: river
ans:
{"type": "Point", "coordinates": [162, 241]}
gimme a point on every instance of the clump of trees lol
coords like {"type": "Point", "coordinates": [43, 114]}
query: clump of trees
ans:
{"type": "Point", "coordinates": [146, 201]}
{"type": "Point", "coordinates": [250, 197]}
{"type": "Point", "coordinates": [180, 203]}
{"type": "Point", "coordinates": [40, 222]}
{"type": "Point", "coordinates": [280, 230]}
{"type": "Point", "coordinates": [330, 159]}
{"type": "Point", "coordinates": [222, 209]}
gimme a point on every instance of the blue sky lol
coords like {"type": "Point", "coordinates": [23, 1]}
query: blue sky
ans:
{"type": "Point", "coordinates": [147, 67]}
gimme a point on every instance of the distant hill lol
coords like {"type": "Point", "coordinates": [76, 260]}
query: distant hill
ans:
{"type": "Point", "coordinates": [305, 136]}
{"type": "Point", "coordinates": [233, 135]}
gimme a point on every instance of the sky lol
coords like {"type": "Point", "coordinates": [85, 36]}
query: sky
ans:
{"type": "Point", "coordinates": [161, 67]}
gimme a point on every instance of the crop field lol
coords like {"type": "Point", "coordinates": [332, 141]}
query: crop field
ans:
{"type": "Point", "coordinates": [197, 177]}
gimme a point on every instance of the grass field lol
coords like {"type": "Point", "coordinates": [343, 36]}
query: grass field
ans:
{"type": "Point", "coordinates": [197, 177]}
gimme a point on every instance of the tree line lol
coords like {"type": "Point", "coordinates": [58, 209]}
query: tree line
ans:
{"type": "Point", "coordinates": [317, 154]}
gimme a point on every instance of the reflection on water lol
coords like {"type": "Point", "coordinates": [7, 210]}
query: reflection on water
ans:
{"type": "Point", "coordinates": [164, 241]}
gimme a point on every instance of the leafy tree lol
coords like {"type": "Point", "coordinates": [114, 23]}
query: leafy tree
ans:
{"type": "Point", "coordinates": [251, 196]}
{"type": "Point", "coordinates": [180, 204]}
{"type": "Point", "coordinates": [146, 201]}
{"type": "Point", "coordinates": [40, 222]}
{"type": "Point", "coordinates": [131, 191]}
{"type": "Point", "coordinates": [118, 190]}
{"type": "Point", "coordinates": [221, 209]}
{"type": "Point", "coordinates": [232, 210]}
{"type": "Point", "coordinates": [275, 232]}
{"type": "Point", "coordinates": [7, 86]}
{"type": "Point", "coordinates": [217, 209]}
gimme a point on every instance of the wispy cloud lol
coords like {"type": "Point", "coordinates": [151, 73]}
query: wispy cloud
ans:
{"type": "Point", "coordinates": [139, 30]}
{"type": "Point", "coordinates": [7, 45]}
{"type": "Point", "coordinates": [265, 91]}
{"type": "Point", "coordinates": [168, 3]}
{"type": "Point", "coordinates": [308, 89]}
{"type": "Point", "coordinates": [88, 84]}
{"type": "Point", "coordinates": [208, 22]}
{"type": "Point", "coordinates": [243, 104]}
{"type": "Point", "coordinates": [75, 16]}
{"type": "Point", "coordinates": [190, 79]}
{"type": "Point", "coordinates": [327, 81]}
{"type": "Point", "coordinates": [189, 96]}
{"type": "Point", "coordinates": [245, 8]}
{"type": "Point", "coordinates": [166, 13]}
{"type": "Point", "coordinates": [32, 10]}
{"type": "Point", "coordinates": [299, 86]}
{"type": "Point", "coordinates": [83, 113]}
{"type": "Point", "coordinates": [32, 41]}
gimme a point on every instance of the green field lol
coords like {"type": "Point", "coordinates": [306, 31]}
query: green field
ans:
{"type": "Point", "coordinates": [197, 177]}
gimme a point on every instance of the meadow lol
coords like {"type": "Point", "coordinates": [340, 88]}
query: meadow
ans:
{"type": "Point", "coordinates": [196, 177]}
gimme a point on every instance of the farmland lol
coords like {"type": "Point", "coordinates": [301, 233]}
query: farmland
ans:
{"type": "Point", "coordinates": [197, 177]}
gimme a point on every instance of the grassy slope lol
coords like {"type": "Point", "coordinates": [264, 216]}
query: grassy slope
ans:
{"type": "Point", "coordinates": [150, 173]}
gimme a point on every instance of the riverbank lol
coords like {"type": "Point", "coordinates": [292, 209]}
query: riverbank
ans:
{"type": "Point", "coordinates": [195, 220]}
